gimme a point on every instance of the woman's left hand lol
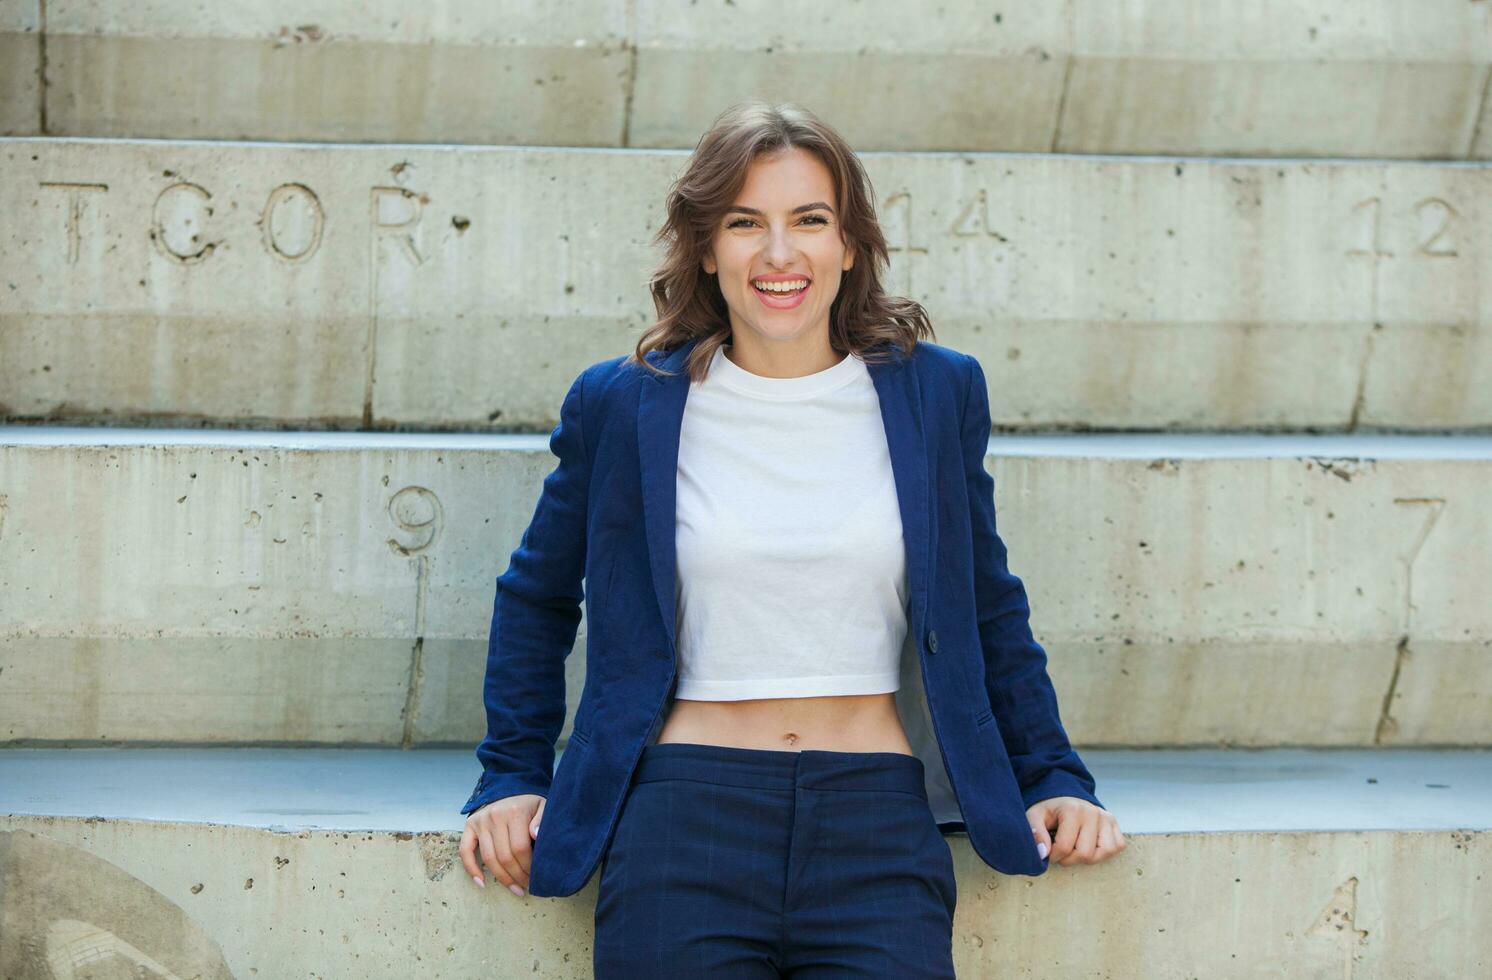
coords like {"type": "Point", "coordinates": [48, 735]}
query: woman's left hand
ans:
{"type": "Point", "coordinates": [1085, 833]}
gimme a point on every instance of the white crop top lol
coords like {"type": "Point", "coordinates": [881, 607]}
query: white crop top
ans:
{"type": "Point", "coordinates": [792, 577]}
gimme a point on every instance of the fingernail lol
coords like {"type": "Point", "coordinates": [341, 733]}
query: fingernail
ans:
{"type": "Point", "coordinates": [1041, 849]}
{"type": "Point", "coordinates": [516, 890]}
{"type": "Point", "coordinates": [479, 881]}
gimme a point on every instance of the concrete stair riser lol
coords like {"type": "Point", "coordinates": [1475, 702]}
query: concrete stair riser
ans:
{"type": "Point", "coordinates": [343, 287]}
{"type": "Point", "coordinates": [254, 592]}
{"type": "Point", "coordinates": [390, 904]}
{"type": "Point", "coordinates": [1090, 76]}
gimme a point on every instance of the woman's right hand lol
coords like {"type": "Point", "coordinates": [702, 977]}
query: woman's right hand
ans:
{"type": "Point", "coordinates": [503, 831]}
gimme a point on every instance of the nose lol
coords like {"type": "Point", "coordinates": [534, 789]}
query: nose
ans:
{"type": "Point", "coordinates": [779, 251]}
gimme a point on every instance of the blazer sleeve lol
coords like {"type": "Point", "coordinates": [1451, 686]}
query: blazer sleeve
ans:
{"type": "Point", "coordinates": [1015, 674]}
{"type": "Point", "coordinates": [535, 617]}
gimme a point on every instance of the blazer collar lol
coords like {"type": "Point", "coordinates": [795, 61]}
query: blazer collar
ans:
{"type": "Point", "coordinates": [660, 414]}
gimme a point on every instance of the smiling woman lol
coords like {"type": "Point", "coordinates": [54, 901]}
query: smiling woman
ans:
{"type": "Point", "coordinates": [778, 503]}
{"type": "Point", "coordinates": [798, 409]}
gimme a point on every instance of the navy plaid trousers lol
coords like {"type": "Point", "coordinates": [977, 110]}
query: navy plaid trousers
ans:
{"type": "Point", "coordinates": [734, 862]}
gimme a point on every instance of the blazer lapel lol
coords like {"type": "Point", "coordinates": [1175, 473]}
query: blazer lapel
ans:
{"type": "Point", "coordinates": [660, 413]}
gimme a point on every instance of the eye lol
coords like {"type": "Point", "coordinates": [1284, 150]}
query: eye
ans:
{"type": "Point", "coordinates": [815, 218]}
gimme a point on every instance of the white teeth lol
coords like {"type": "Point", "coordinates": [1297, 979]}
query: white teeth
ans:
{"type": "Point", "coordinates": [782, 287]}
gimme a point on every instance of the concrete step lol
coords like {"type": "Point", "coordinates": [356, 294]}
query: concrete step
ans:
{"type": "Point", "coordinates": [1278, 77]}
{"type": "Point", "coordinates": [190, 586]}
{"type": "Point", "coordinates": [194, 283]}
{"type": "Point", "coordinates": [279, 863]}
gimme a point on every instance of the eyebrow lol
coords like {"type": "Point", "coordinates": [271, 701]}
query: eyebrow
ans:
{"type": "Point", "coordinates": [797, 210]}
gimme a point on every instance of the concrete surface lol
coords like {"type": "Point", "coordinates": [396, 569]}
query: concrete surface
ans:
{"type": "Point", "coordinates": [1161, 791]}
{"type": "Point", "coordinates": [1239, 865]}
{"type": "Point", "coordinates": [22, 108]}
{"type": "Point", "coordinates": [1077, 445]}
{"type": "Point", "coordinates": [1270, 77]}
{"type": "Point", "coordinates": [318, 286]}
{"type": "Point", "coordinates": [228, 587]}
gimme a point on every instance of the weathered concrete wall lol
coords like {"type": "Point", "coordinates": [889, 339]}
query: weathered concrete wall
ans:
{"type": "Point", "coordinates": [1278, 78]}
{"type": "Point", "coordinates": [1369, 905]}
{"type": "Point", "coordinates": [238, 284]}
{"type": "Point", "coordinates": [115, 925]}
{"type": "Point", "coordinates": [21, 104]}
{"type": "Point", "coordinates": [1271, 77]}
{"type": "Point", "coordinates": [212, 594]}
{"type": "Point", "coordinates": [339, 589]}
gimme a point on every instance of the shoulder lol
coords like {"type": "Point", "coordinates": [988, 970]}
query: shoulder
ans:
{"type": "Point", "coordinates": [601, 385]}
{"type": "Point", "coordinates": [602, 378]}
{"type": "Point", "coordinates": [940, 358]}
{"type": "Point", "coordinates": [606, 372]}
{"type": "Point", "coordinates": [946, 371]}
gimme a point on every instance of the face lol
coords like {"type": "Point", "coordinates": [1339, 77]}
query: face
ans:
{"type": "Point", "coordinates": [782, 227]}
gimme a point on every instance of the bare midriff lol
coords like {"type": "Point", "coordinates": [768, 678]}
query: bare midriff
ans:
{"type": "Point", "coordinates": [839, 723]}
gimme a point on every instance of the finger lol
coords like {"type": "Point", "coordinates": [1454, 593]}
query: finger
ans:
{"type": "Point", "coordinates": [468, 853]}
{"type": "Point", "coordinates": [1039, 832]}
{"type": "Point", "coordinates": [502, 843]}
{"type": "Point", "coordinates": [490, 856]}
{"type": "Point", "coordinates": [520, 843]}
{"type": "Point", "coordinates": [1117, 835]}
{"type": "Point", "coordinates": [1087, 839]}
{"type": "Point", "coordinates": [538, 818]}
{"type": "Point", "coordinates": [1106, 845]}
{"type": "Point", "coordinates": [1067, 834]}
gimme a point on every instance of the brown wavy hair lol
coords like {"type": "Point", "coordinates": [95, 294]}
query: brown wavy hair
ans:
{"type": "Point", "coordinates": [863, 319]}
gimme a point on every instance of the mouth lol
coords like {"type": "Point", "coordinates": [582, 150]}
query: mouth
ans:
{"type": "Point", "coordinates": [773, 295]}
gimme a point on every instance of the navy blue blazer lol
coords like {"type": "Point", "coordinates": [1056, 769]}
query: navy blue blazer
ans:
{"type": "Point", "coordinates": [978, 702]}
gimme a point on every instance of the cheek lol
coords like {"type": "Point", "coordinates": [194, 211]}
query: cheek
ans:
{"type": "Point", "coordinates": [830, 264]}
{"type": "Point", "coordinates": [827, 286]}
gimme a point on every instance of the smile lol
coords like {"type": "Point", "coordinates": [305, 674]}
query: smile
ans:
{"type": "Point", "coordinates": [782, 295]}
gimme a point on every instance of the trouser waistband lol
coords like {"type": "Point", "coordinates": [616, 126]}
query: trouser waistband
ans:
{"type": "Point", "coordinates": [775, 769]}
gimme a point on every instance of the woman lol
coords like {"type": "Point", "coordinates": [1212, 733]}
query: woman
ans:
{"type": "Point", "coordinates": [779, 530]}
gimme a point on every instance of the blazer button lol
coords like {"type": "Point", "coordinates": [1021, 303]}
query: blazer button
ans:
{"type": "Point", "coordinates": [932, 641]}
